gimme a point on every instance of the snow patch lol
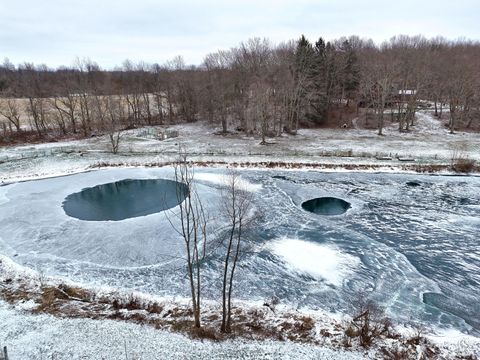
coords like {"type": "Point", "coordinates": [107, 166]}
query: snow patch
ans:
{"type": "Point", "coordinates": [223, 180]}
{"type": "Point", "coordinates": [455, 343]}
{"type": "Point", "coordinates": [318, 260]}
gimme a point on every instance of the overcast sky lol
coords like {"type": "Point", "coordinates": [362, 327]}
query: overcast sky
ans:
{"type": "Point", "coordinates": [109, 31]}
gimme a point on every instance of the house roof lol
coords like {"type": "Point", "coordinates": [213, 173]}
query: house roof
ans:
{"type": "Point", "coordinates": [407, 92]}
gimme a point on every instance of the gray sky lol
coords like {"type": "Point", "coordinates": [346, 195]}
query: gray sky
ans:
{"type": "Point", "coordinates": [109, 31]}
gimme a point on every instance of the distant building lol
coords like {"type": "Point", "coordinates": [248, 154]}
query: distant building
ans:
{"type": "Point", "coordinates": [407, 92]}
{"type": "Point", "coordinates": [393, 97]}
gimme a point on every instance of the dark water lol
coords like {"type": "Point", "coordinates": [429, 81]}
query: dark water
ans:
{"type": "Point", "coordinates": [124, 199]}
{"type": "Point", "coordinates": [326, 206]}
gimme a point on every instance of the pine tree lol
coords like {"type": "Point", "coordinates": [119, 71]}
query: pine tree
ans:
{"type": "Point", "coordinates": [351, 71]}
{"type": "Point", "coordinates": [317, 69]}
{"type": "Point", "coordinates": [304, 59]}
{"type": "Point", "coordinates": [318, 84]}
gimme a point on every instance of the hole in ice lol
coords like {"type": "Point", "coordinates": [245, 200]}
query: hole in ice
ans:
{"type": "Point", "coordinates": [124, 199]}
{"type": "Point", "coordinates": [413, 183]}
{"type": "Point", "coordinates": [326, 206]}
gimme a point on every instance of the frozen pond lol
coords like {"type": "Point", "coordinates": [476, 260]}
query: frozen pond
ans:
{"type": "Point", "coordinates": [413, 248]}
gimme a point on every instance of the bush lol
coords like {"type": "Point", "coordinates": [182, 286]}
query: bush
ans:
{"type": "Point", "coordinates": [463, 165]}
{"type": "Point", "coordinates": [369, 322]}
{"type": "Point", "coordinates": [460, 162]}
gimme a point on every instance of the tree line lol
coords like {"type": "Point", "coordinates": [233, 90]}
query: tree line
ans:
{"type": "Point", "coordinates": [257, 88]}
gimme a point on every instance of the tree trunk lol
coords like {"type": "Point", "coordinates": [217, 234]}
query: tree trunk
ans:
{"type": "Point", "coordinates": [230, 286]}
{"type": "Point", "coordinates": [225, 274]}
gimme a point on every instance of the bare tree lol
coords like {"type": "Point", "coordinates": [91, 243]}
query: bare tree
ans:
{"type": "Point", "coordinates": [10, 109]}
{"type": "Point", "coordinates": [116, 114]}
{"type": "Point", "coordinates": [236, 207]}
{"type": "Point", "coordinates": [306, 85]}
{"type": "Point", "coordinates": [192, 229]}
{"type": "Point", "coordinates": [220, 87]}
{"type": "Point", "coordinates": [34, 90]}
{"type": "Point", "coordinates": [65, 99]}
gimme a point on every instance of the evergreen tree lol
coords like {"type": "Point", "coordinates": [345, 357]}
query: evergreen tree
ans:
{"type": "Point", "coordinates": [332, 74]}
{"type": "Point", "coordinates": [351, 71]}
{"type": "Point", "coordinates": [315, 72]}
{"type": "Point", "coordinates": [304, 60]}
{"type": "Point", "coordinates": [303, 57]}
{"type": "Point", "coordinates": [318, 84]}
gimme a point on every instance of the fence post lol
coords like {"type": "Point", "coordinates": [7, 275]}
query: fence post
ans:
{"type": "Point", "coordinates": [5, 353]}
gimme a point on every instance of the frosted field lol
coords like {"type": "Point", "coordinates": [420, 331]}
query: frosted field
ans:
{"type": "Point", "coordinates": [412, 248]}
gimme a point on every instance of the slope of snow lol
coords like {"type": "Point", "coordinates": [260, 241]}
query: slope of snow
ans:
{"type": "Point", "coordinates": [32, 337]}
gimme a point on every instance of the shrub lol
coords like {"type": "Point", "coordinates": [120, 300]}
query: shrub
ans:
{"type": "Point", "coordinates": [154, 308]}
{"type": "Point", "coordinates": [463, 165]}
{"type": "Point", "coordinates": [134, 303]}
{"type": "Point", "coordinates": [460, 162]}
{"type": "Point", "coordinates": [369, 322]}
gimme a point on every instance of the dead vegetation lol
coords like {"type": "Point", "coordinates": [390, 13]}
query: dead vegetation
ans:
{"type": "Point", "coordinates": [70, 301]}
{"type": "Point", "coordinates": [464, 165]}
{"type": "Point", "coordinates": [369, 323]}
{"type": "Point", "coordinates": [369, 329]}
{"type": "Point", "coordinates": [418, 168]}
{"type": "Point", "coordinates": [460, 162]}
{"type": "Point", "coordinates": [64, 300]}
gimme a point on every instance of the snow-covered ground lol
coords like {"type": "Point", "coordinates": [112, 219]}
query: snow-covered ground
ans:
{"type": "Point", "coordinates": [32, 337]}
{"type": "Point", "coordinates": [428, 142]}
{"type": "Point", "coordinates": [38, 336]}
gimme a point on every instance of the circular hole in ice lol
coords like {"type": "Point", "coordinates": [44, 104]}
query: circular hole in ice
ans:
{"type": "Point", "coordinates": [326, 206]}
{"type": "Point", "coordinates": [125, 199]}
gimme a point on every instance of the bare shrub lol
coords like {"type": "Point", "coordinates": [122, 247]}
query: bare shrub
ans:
{"type": "Point", "coordinates": [154, 308]}
{"type": "Point", "coordinates": [369, 322]}
{"type": "Point", "coordinates": [464, 165]}
{"type": "Point", "coordinates": [134, 303]}
{"type": "Point", "coordinates": [397, 353]}
{"type": "Point", "coordinates": [272, 302]}
{"type": "Point", "coordinates": [75, 293]}
{"type": "Point", "coordinates": [115, 137]}
{"type": "Point", "coordinates": [204, 332]}
{"type": "Point", "coordinates": [459, 160]}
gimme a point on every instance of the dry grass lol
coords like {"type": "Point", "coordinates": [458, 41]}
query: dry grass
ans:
{"type": "Point", "coordinates": [205, 333]}
{"type": "Point", "coordinates": [459, 160]}
{"type": "Point", "coordinates": [52, 298]}
{"type": "Point", "coordinates": [418, 168]}
{"type": "Point", "coordinates": [63, 300]}
{"type": "Point", "coordinates": [464, 165]}
{"type": "Point", "coordinates": [15, 295]}
{"type": "Point", "coordinates": [154, 308]}
{"type": "Point", "coordinates": [75, 293]}
{"type": "Point", "coordinates": [32, 137]}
